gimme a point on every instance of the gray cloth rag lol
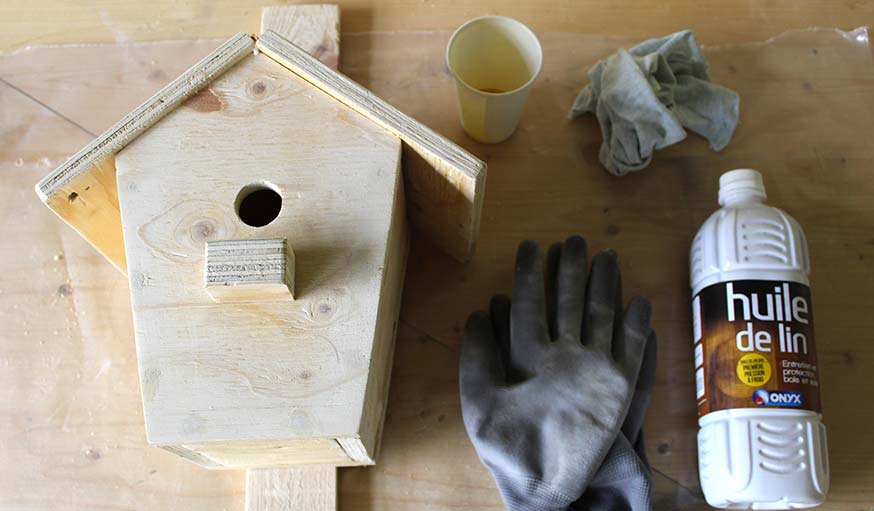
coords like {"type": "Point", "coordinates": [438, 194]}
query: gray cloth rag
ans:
{"type": "Point", "coordinates": [646, 96]}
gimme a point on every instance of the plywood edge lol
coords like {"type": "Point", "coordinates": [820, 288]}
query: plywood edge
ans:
{"type": "Point", "coordinates": [144, 116]}
{"type": "Point", "coordinates": [478, 193]}
{"type": "Point", "coordinates": [249, 270]}
{"type": "Point", "coordinates": [461, 173]}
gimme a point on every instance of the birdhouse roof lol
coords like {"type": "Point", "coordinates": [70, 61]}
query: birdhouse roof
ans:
{"type": "Point", "coordinates": [444, 182]}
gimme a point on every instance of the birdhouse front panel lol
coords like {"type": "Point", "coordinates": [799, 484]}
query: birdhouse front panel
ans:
{"type": "Point", "coordinates": [265, 239]}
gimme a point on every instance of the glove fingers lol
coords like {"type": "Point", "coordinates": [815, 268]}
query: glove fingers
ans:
{"type": "Point", "coordinates": [642, 392]}
{"type": "Point", "coordinates": [499, 309]}
{"type": "Point", "coordinates": [631, 339]}
{"type": "Point", "coordinates": [600, 311]}
{"type": "Point", "coordinates": [528, 329]}
{"type": "Point", "coordinates": [552, 264]}
{"type": "Point", "coordinates": [571, 288]}
{"type": "Point", "coordinates": [646, 380]}
{"type": "Point", "coordinates": [480, 371]}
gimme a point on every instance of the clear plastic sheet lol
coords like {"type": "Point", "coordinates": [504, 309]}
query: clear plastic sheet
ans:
{"type": "Point", "coordinates": [71, 427]}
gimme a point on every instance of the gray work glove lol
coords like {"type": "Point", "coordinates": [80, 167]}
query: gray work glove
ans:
{"type": "Point", "coordinates": [624, 481]}
{"type": "Point", "coordinates": [544, 395]}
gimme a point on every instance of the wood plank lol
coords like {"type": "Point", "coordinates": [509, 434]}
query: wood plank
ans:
{"type": "Point", "coordinates": [83, 192]}
{"type": "Point", "coordinates": [292, 489]}
{"type": "Point", "coordinates": [220, 375]}
{"type": "Point", "coordinates": [445, 184]}
{"type": "Point", "coordinates": [314, 28]}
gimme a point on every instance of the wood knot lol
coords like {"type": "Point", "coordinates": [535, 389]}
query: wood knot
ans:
{"type": "Point", "coordinates": [258, 88]}
{"type": "Point", "coordinates": [205, 101]}
{"type": "Point", "coordinates": [848, 358]}
{"type": "Point", "coordinates": [324, 309]}
{"type": "Point", "coordinates": [203, 230]}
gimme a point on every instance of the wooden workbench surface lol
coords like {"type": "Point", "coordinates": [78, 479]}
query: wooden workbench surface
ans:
{"type": "Point", "coordinates": [71, 426]}
{"type": "Point", "coordinates": [59, 21]}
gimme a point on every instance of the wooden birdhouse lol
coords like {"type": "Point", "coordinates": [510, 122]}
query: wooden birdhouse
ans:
{"type": "Point", "coordinates": [260, 209]}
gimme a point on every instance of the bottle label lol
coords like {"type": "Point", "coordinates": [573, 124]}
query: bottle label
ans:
{"type": "Point", "coordinates": [754, 346]}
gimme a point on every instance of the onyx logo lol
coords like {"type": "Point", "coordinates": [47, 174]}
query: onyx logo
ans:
{"type": "Point", "coordinates": [763, 397]}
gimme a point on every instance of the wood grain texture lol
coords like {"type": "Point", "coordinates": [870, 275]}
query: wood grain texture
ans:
{"type": "Point", "coordinates": [82, 191]}
{"type": "Point", "coordinates": [292, 489]}
{"type": "Point", "coordinates": [445, 184]}
{"type": "Point", "coordinates": [313, 28]}
{"type": "Point", "coordinates": [249, 270]}
{"type": "Point", "coordinates": [70, 406]}
{"type": "Point", "coordinates": [223, 375]}
{"type": "Point", "coordinates": [60, 21]}
{"type": "Point", "coordinates": [394, 269]}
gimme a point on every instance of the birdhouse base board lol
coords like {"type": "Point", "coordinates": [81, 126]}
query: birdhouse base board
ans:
{"type": "Point", "coordinates": [275, 453]}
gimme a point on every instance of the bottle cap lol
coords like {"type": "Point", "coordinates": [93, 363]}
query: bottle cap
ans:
{"type": "Point", "coordinates": [739, 186]}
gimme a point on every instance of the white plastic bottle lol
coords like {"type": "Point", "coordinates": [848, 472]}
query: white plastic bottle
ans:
{"type": "Point", "coordinates": [762, 443]}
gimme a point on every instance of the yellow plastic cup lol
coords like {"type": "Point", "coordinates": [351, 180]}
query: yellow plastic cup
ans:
{"type": "Point", "coordinates": [495, 61]}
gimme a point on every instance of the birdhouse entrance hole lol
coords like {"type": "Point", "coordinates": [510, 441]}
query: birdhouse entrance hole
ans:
{"type": "Point", "coordinates": [258, 204]}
